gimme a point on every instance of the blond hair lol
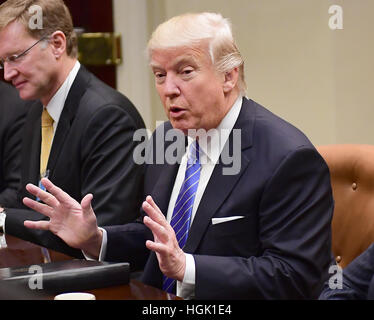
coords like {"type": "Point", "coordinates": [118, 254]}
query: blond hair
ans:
{"type": "Point", "coordinates": [56, 17]}
{"type": "Point", "coordinates": [191, 29]}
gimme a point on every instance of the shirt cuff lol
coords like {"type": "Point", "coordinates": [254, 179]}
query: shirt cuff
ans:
{"type": "Point", "coordinates": [186, 289]}
{"type": "Point", "coordinates": [102, 249]}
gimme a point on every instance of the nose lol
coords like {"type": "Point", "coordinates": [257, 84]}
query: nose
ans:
{"type": "Point", "coordinates": [9, 72]}
{"type": "Point", "coordinates": [171, 87]}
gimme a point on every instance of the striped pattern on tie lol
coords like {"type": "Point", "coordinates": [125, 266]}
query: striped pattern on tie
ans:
{"type": "Point", "coordinates": [181, 218]}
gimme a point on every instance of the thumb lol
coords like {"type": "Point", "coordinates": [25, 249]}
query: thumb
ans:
{"type": "Point", "coordinates": [86, 203]}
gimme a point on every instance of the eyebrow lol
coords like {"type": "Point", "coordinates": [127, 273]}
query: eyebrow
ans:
{"type": "Point", "coordinates": [13, 52]}
{"type": "Point", "coordinates": [184, 59]}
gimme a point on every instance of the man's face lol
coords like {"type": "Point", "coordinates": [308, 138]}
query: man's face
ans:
{"type": "Point", "coordinates": [189, 87]}
{"type": "Point", "coordinates": [32, 73]}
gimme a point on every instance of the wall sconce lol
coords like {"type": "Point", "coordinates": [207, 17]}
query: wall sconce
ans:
{"type": "Point", "coordinates": [99, 49]}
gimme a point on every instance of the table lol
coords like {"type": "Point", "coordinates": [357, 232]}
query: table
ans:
{"type": "Point", "coordinates": [15, 252]}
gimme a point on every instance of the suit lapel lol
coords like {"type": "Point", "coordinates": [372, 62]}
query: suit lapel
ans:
{"type": "Point", "coordinates": [220, 186]}
{"type": "Point", "coordinates": [67, 116]}
{"type": "Point", "coordinates": [164, 186]}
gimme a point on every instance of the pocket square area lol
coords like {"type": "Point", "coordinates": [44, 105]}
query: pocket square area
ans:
{"type": "Point", "coordinates": [225, 219]}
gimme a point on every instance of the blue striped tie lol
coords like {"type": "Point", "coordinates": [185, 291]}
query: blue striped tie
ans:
{"type": "Point", "coordinates": [181, 218]}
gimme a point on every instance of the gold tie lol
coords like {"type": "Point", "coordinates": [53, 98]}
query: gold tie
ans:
{"type": "Point", "coordinates": [47, 136]}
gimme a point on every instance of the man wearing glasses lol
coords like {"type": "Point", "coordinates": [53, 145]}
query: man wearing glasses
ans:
{"type": "Point", "coordinates": [79, 133]}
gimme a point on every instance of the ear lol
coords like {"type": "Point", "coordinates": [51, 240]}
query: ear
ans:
{"type": "Point", "coordinates": [230, 80]}
{"type": "Point", "coordinates": [58, 43]}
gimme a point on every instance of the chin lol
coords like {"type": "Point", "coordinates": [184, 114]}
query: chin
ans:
{"type": "Point", "coordinates": [24, 95]}
{"type": "Point", "coordinates": [180, 126]}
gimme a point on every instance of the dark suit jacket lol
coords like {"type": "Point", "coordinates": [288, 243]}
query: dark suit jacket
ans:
{"type": "Point", "coordinates": [12, 117]}
{"type": "Point", "coordinates": [357, 280]}
{"type": "Point", "coordinates": [92, 152]}
{"type": "Point", "coordinates": [281, 249]}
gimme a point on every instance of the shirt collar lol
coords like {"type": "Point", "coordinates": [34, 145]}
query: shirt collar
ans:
{"type": "Point", "coordinates": [57, 102]}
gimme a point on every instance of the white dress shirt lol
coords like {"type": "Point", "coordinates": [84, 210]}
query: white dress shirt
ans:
{"type": "Point", "coordinates": [209, 155]}
{"type": "Point", "coordinates": [56, 104]}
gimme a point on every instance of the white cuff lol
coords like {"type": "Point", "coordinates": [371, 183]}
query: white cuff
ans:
{"type": "Point", "coordinates": [186, 289]}
{"type": "Point", "coordinates": [102, 249]}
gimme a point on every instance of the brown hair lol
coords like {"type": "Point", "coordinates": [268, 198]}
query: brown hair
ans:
{"type": "Point", "coordinates": [56, 17]}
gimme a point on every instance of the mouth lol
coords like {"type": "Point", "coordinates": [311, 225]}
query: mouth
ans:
{"type": "Point", "coordinates": [19, 85]}
{"type": "Point", "coordinates": [176, 111]}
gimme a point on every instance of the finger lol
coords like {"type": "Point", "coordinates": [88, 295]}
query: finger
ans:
{"type": "Point", "coordinates": [86, 204]}
{"type": "Point", "coordinates": [40, 225]}
{"type": "Point", "coordinates": [159, 232]}
{"type": "Point", "coordinates": [59, 194]}
{"type": "Point", "coordinates": [154, 212]}
{"type": "Point", "coordinates": [156, 247]}
{"type": "Point", "coordinates": [42, 195]}
{"type": "Point", "coordinates": [150, 200]}
{"type": "Point", "coordinates": [38, 206]}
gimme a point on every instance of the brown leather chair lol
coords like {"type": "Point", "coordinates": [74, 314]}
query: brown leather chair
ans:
{"type": "Point", "coordinates": [352, 178]}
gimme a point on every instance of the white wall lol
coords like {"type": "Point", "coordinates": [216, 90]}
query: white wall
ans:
{"type": "Point", "coordinates": [317, 78]}
{"type": "Point", "coordinates": [354, 73]}
{"type": "Point", "coordinates": [130, 19]}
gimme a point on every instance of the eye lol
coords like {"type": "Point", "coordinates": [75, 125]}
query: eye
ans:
{"type": "Point", "coordinates": [13, 58]}
{"type": "Point", "coordinates": [187, 71]}
{"type": "Point", "coordinates": [159, 76]}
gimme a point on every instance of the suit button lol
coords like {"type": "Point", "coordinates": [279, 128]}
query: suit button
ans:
{"type": "Point", "coordinates": [354, 185]}
{"type": "Point", "coordinates": [338, 259]}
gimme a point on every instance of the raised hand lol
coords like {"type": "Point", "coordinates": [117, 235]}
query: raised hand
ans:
{"type": "Point", "coordinates": [171, 257]}
{"type": "Point", "coordinates": [73, 222]}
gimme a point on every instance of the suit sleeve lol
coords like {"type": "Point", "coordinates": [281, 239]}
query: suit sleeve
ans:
{"type": "Point", "coordinates": [108, 169]}
{"type": "Point", "coordinates": [294, 219]}
{"type": "Point", "coordinates": [12, 157]}
{"type": "Point", "coordinates": [127, 243]}
{"type": "Point", "coordinates": [357, 279]}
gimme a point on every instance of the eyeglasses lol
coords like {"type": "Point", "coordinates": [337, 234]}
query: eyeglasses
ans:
{"type": "Point", "coordinates": [15, 57]}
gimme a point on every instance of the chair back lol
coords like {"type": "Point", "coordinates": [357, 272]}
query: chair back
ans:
{"type": "Point", "coordinates": [352, 178]}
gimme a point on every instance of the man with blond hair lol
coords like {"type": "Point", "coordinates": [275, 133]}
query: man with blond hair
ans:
{"type": "Point", "coordinates": [259, 232]}
{"type": "Point", "coordinates": [79, 132]}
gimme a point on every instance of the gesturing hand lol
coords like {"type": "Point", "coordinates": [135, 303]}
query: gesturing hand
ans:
{"type": "Point", "coordinates": [171, 257]}
{"type": "Point", "coordinates": [73, 222]}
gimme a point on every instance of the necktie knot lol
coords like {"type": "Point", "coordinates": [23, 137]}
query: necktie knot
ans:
{"type": "Point", "coordinates": [47, 120]}
{"type": "Point", "coordinates": [193, 153]}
